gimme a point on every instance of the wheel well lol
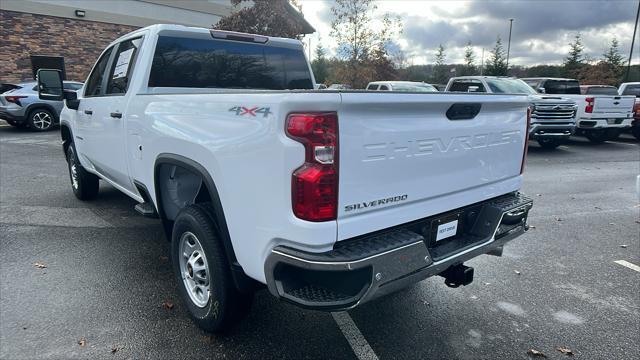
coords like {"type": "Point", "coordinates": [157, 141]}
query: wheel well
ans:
{"type": "Point", "coordinates": [179, 187]}
{"type": "Point", "coordinates": [180, 182]}
{"type": "Point", "coordinates": [67, 138]}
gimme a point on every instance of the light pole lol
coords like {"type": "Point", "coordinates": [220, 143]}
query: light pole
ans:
{"type": "Point", "coordinates": [482, 63]}
{"type": "Point", "coordinates": [509, 44]}
{"type": "Point", "coordinates": [633, 40]}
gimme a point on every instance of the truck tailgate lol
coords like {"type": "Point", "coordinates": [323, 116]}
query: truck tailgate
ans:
{"type": "Point", "coordinates": [613, 104]}
{"type": "Point", "coordinates": [402, 159]}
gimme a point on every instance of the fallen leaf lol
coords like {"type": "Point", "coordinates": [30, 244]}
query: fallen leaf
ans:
{"type": "Point", "coordinates": [24, 328]}
{"type": "Point", "coordinates": [565, 351]}
{"type": "Point", "coordinates": [536, 353]}
{"type": "Point", "coordinates": [425, 303]}
{"type": "Point", "coordinates": [114, 349]}
{"type": "Point", "coordinates": [558, 218]}
{"type": "Point", "coordinates": [168, 305]}
{"type": "Point", "coordinates": [538, 194]}
{"type": "Point", "coordinates": [623, 246]}
{"type": "Point", "coordinates": [40, 265]}
{"type": "Point", "coordinates": [164, 258]}
{"type": "Point", "coordinates": [82, 342]}
{"type": "Point", "coordinates": [487, 283]}
{"type": "Point", "coordinates": [597, 208]}
{"type": "Point", "coordinates": [517, 272]}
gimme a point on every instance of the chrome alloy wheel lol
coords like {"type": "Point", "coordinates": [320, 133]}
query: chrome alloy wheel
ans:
{"type": "Point", "coordinates": [194, 269]}
{"type": "Point", "coordinates": [42, 120]}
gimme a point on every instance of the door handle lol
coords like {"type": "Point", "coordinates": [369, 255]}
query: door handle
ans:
{"type": "Point", "coordinates": [116, 115]}
{"type": "Point", "coordinates": [88, 112]}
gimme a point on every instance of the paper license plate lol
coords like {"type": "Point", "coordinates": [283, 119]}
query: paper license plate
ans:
{"type": "Point", "coordinates": [447, 230]}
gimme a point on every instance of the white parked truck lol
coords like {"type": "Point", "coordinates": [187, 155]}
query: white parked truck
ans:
{"type": "Point", "coordinates": [600, 117]}
{"type": "Point", "coordinates": [553, 118]}
{"type": "Point", "coordinates": [329, 198]}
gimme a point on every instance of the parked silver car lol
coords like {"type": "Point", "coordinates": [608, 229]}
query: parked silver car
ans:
{"type": "Point", "coordinates": [21, 107]}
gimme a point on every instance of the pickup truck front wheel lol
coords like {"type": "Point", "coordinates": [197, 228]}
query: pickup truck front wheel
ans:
{"type": "Point", "coordinates": [203, 273]}
{"type": "Point", "coordinates": [84, 184]}
{"type": "Point", "coordinates": [548, 143]}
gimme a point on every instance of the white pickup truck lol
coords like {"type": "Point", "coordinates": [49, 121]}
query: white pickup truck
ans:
{"type": "Point", "coordinates": [329, 198]}
{"type": "Point", "coordinates": [600, 116]}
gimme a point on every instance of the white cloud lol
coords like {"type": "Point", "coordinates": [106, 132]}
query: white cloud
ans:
{"type": "Point", "coordinates": [541, 29]}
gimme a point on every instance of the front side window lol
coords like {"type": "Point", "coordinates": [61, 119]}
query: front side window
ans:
{"type": "Point", "coordinates": [94, 83]}
{"type": "Point", "coordinates": [372, 87]}
{"type": "Point", "coordinates": [224, 64]}
{"type": "Point", "coordinates": [122, 67]}
{"type": "Point", "coordinates": [72, 86]}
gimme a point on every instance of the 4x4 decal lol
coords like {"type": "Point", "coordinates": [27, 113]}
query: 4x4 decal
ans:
{"type": "Point", "coordinates": [241, 110]}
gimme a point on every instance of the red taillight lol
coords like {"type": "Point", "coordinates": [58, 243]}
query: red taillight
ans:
{"type": "Point", "coordinates": [589, 107]}
{"type": "Point", "coordinates": [14, 99]}
{"type": "Point", "coordinates": [526, 142]}
{"type": "Point", "coordinates": [314, 185]}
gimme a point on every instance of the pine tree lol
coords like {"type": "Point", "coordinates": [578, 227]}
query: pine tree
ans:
{"type": "Point", "coordinates": [469, 67]}
{"type": "Point", "coordinates": [497, 64]}
{"type": "Point", "coordinates": [574, 62]}
{"type": "Point", "coordinates": [320, 65]}
{"type": "Point", "coordinates": [613, 60]}
{"type": "Point", "coordinates": [439, 70]}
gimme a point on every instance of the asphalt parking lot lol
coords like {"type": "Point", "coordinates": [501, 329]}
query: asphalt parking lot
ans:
{"type": "Point", "coordinates": [107, 286]}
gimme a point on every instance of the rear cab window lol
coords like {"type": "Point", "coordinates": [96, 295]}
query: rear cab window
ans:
{"type": "Point", "coordinates": [467, 86]}
{"type": "Point", "coordinates": [184, 62]}
{"type": "Point", "coordinates": [601, 90]}
{"type": "Point", "coordinates": [562, 87]}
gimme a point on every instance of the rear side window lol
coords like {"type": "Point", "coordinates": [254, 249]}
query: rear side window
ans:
{"type": "Point", "coordinates": [384, 87]}
{"type": "Point", "coordinates": [372, 87]}
{"type": "Point", "coordinates": [94, 83]}
{"type": "Point", "coordinates": [210, 63]}
{"type": "Point", "coordinates": [561, 87]}
{"type": "Point", "coordinates": [122, 67]}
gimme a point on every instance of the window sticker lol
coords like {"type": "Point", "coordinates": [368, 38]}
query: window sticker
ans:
{"type": "Point", "coordinates": [122, 65]}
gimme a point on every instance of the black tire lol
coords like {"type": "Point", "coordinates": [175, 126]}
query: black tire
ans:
{"type": "Point", "coordinates": [41, 120]}
{"type": "Point", "coordinates": [613, 134]}
{"type": "Point", "coordinates": [549, 143]}
{"type": "Point", "coordinates": [225, 305]}
{"type": "Point", "coordinates": [596, 136]}
{"type": "Point", "coordinates": [635, 130]}
{"type": "Point", "coordinates": [85, 185]}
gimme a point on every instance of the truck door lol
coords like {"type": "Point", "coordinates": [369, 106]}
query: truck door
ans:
{"type": "Point", "coordinates": [105, 132]}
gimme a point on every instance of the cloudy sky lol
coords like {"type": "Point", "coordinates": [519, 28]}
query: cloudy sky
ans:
{"type": "Point", "coordinates": [542, 29]}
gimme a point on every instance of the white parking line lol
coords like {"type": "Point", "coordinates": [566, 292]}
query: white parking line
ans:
{"type": "Point", "coordinates": [358, 343]}
{"type": "Point", "coordinates": [628, 264]}
{"type": "Point", "coordinates": [623, 143]}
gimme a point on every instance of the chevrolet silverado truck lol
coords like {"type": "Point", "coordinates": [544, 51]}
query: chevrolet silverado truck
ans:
{"type": "Point", "coordinates": [328, 198]}
{"type": "Point", "coordinates": [600, 117]}
{"type": "Point", "coordinates": [633, 89]}
{"type": "Point", "coordinates": [553, 118]}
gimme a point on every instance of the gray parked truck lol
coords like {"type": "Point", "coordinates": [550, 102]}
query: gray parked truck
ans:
{"type": "Point", "coordinates": [553, 118]}
{"type": "Point", "coordinates": [21, 107]}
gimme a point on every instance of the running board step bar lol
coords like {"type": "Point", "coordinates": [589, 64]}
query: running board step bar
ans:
{"type": "Point", "coordinates": [147, 210]}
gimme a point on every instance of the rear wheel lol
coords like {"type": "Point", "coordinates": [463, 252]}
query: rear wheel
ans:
{"type": "Point", "coordinates": [596, 136]}
{"type": "Point", "coordinates": [203, 273]}
{"type": "Point", "coordinates": [41, 120]}
{"type": "Point", "coordinates": [636, 131]}
{"type": "Point", "coordinates": [85, 185]}
{"type": "Point", "coordinates": [613, 134]}
{"type": "Point", "coordinates": [549, 143]}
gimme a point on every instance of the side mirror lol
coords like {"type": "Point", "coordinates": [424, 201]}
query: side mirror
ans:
{"type": "Point", "coordinates": [541, 90]}
{"type": "Point", "coordinates": [50, 85]}
{"type": "Point", "coordinates": [71, 99]}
